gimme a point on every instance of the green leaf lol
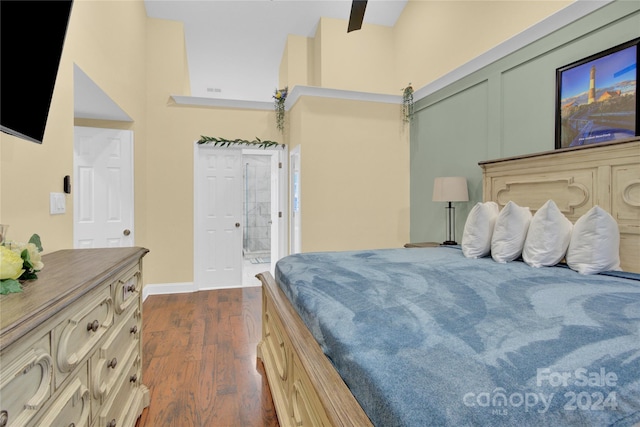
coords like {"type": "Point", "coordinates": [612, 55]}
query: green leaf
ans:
{"type": "Point", "coordinates": [35, 239]}
{"type": "Point", "coordinates": [9, 286]}
{"type": "Point", "coordinates": [29, 275]}
{"type": "Point", "coordinates": [25, 256]}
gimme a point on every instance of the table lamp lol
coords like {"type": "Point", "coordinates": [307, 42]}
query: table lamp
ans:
{"type": "Point", "coordinates": [450, 189]}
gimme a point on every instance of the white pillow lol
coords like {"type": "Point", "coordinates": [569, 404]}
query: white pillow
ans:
{"type": "Point", "coordinates": [510, 232]}
{"type": "Point", "coordinates": [548, 237]}
{"type": "Point", "coordinates": [595, 243]}
{"type": "Point", "coordinates": [478, 229]}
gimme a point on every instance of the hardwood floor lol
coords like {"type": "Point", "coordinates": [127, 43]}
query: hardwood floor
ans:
{"type": "Point", "coordinates": [199, 360]}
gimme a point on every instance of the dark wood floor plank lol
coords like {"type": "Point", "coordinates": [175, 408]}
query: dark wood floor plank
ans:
{"type": "Point", "coordinates": [199, 360]}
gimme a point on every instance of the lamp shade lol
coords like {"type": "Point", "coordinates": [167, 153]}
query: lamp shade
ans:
{"type": "Point", "coordinates": [450, 189]}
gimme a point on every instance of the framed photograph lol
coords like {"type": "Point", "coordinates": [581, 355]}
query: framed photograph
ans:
{"type": "Point", "coordinates": [596, 97]}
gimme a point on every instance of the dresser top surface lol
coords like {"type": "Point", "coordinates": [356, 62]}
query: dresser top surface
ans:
{"type": "Point", "coordinates": [67, 275]}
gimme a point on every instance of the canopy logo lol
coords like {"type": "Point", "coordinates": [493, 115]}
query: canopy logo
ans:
{"type": "Point", "coordinates": [499, 401]}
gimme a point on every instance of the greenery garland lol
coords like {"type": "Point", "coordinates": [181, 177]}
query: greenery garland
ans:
{"type": "Point", "coordinates": [222, 142]}
{"type": "Point", "coordinates": [407, 103]}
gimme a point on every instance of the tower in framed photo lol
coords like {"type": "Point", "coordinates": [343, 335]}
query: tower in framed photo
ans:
{"type": "Point", "coordinates": [596, 98]}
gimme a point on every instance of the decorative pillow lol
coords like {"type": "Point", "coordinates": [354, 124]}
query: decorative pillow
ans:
{"type": "Point", "coordinates": [510, 232]}
{"type": "Point", "coordinates": [548, 237]}
{"type": "Point", "coordinates": [595, 243]}
{"type": "Point", "coordinates": [478, 229]}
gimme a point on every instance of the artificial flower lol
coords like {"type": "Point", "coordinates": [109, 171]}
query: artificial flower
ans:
{"type": "Point", "coordinates": [34, 255]}
{"type": "Point", "coordinates": [10, 264]}
{"type": "Point", "coordinates": [19, 262]}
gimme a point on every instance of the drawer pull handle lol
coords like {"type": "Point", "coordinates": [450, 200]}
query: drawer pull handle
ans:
{"type": "Point", "coordinates": [93, 326]}
{"type": "Point", "coordinates": [4, 418]}
{"type": "Point", "coordinates": [112, 363]}
{"type": "Point", "coordinates": [72, 425]}
{"type": "Point", "coordinates": [131, 288]}
{"type": "Point", "coordinates": [112, 423]}
{"type": "Point", "coordinates": [133, 378]}
{"type": "Point", "coordinates": [134, 329]}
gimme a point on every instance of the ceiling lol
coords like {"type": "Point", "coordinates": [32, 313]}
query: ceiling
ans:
{"type": "Point", "coordinates": [234, 47]}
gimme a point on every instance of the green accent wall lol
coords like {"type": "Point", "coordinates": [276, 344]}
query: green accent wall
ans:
{"type": "Point", "coordinates": [504, 109]}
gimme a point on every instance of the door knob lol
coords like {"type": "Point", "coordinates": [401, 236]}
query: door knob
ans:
{"type": "Point", "coordinates": [126, 232]}
{"type": "Point", "coordinates": [237, 225]}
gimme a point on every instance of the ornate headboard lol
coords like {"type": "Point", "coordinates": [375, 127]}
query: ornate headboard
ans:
{"type": "Point", "coordinates": [576, 179]}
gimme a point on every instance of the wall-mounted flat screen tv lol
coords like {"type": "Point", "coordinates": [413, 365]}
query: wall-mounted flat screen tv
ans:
{"type": "Point", "coordinates": [31, 39]}
{"type": "Point", "coordinates": [597, 99]}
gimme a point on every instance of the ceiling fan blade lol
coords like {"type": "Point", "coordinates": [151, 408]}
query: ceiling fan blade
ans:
{"type": "Point", "coordinates": [357, 15]}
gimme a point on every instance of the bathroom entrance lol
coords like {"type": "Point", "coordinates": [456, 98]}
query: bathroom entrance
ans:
{"type": "Point", "coordinates": [239, 226]}
{"type": "Point", "coordinates": [260, 211]}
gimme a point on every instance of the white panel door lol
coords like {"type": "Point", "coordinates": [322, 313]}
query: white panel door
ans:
{"type": "Point", "coordinates": [218, 218]}
{"type": "Point", "coordinates": [103, 188]}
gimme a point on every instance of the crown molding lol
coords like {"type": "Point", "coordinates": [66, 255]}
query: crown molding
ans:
{"type": "Point", "coordinates": [321, 92]}
{"type": "Point", "coordinates": [195, 101]}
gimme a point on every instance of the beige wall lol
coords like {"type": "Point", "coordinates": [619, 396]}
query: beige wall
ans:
{"type": "Point", "coordinates": [355, 155]}
{"type": "Point", "coordinates": [432, 38]}
{"type": "Point", "coordinates": [116, 61]}
{"type": "Point", "coordinates": [354, 174]}
{"type": "Point", "coordinates": [361, 60]}
{"type": "Point", "coordinates": [170, 154]}
{"type": "Point", "coordinates": [298, 71]}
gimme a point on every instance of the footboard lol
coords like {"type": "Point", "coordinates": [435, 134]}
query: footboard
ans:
{"type": "Point", "coordinates": [306, 389]}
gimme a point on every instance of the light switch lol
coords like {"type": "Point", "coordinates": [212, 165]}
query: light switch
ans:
{"type": "Point", "coordinates": [57, 203]}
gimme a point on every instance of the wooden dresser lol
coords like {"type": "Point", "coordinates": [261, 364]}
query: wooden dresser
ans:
{"type": "Point", "coordinates": [70, 343]}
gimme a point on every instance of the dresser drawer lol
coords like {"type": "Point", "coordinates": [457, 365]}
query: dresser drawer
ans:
{"type": "Point", "coordinates": [109, 362]}
{"type": "Point", "coordinates": [79, 333]}
{"type": "Point", "coordinates": [25, 381]}
{"type": "Point", "coordinates": [276, 354]}
{"type": "Point", "coordinates": [277, 345]}
{"type": "Point", "coordinates": [125, 404]}
{"type": "Point", "coordinates": [72, 405]}
{"type": "Point", "coordinates": [306, 408]}
{"type": "Point", "coordinates": [126, 290]}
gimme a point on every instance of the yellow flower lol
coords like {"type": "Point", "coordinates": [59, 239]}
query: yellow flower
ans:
{"type": "Point", "coordinates": [278, 95]}
{"type": "Point", "coordinates": [10, 264]}
{"type": "Point", "coordinates": [35, 256]}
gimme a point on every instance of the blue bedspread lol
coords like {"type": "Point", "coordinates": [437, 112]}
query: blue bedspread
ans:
{"type": "Point", "coordinates": [427, 337]}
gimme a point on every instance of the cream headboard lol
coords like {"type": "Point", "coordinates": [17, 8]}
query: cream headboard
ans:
{"type": "Point", "coordinates": [576, 179]}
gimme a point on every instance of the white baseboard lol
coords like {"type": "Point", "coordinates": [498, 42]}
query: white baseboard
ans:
{"type": "Point", "coordinates": [167, 288]}
{"type": "Point", "coordinates": [181, 288]}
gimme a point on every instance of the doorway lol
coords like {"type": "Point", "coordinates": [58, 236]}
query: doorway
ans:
{"type": "Point", "coordinates": [103, 188]}
{"type": "Point", "coordinates": [295, 206]}
{"type": "Point", "coordinates": [251, 233]}
{"type": "Point", "coordinates": [260, 211]}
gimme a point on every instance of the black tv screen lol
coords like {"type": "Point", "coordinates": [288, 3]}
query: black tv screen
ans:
{"type": "Point", "coordinates": [31, 39]}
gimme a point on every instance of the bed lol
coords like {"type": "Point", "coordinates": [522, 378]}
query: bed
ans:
{"type": "Point", "coordinates": [426, 336]}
